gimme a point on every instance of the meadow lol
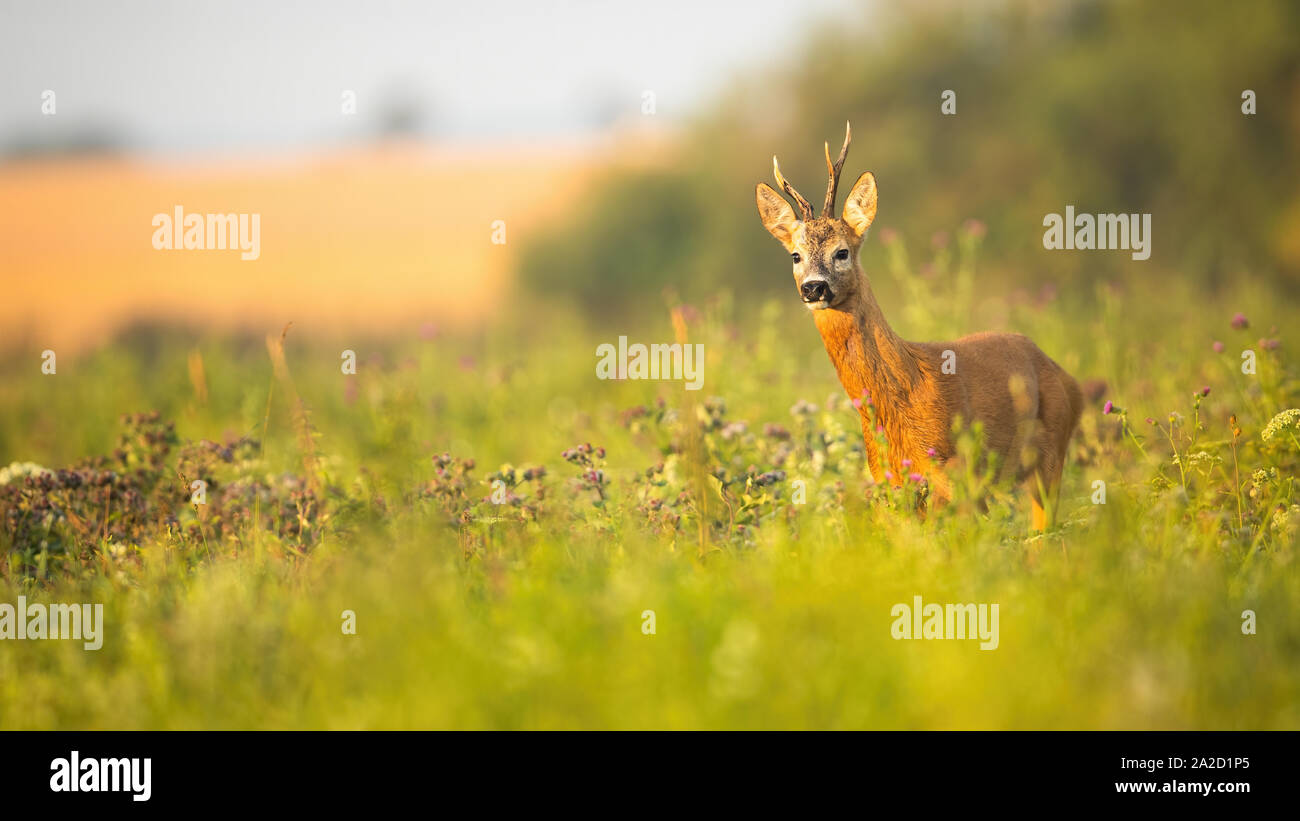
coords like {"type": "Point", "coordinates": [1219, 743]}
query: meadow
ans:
{"type": "Point", "coordinates": [499, 521]}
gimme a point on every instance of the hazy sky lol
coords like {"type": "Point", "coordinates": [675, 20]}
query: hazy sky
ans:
{"type": "Point", "coordinates": [180, 76]}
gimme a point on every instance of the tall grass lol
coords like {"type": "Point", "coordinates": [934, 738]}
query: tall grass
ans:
{"type": "Point", "coordinates": [625, 497]}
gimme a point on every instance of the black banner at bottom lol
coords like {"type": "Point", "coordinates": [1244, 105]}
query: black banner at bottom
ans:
{"type": "Point", "coordinates": [141, 771]}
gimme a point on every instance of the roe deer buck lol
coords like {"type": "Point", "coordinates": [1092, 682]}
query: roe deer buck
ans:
{"type": "Point", "coordinates": [1027, 404]}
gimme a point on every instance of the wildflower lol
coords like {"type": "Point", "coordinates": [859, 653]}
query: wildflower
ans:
{"type": "Point", "coordinates": [1108, 407]}
{"type": "Point", "coordinates": [775, 431]}
{"type": "Point", "coordinates": [1287, 419]}
{"type": "Point", "coordinates": [916, 478]}
{"type": "Point", "coordinates": [1286, 520]}
{"type": "Point", "coordinates": [1205, 391]}
{"type": "Point", "coordinates": [1239, 321]}
{"type": "Point", "coordinates": [1269, 344]}
{"type": "Point", "coordinates": [770, 477]}
{"type": "Point", "coordinates": [857, 403]}
{"type": "Point", "coordinates": [1203, 461]}
{"type": "Point", "coordinates": [974, 228]}
{"type": "Point", "coordinates": [907, 463]}
{"type": "Point", "coordinates": [18, 470]}
{"type": "Point", "coordinates": [930, 452]}
{"type": "Point", "coordinates": [1217, 346]}
{"type": "Point", "coordinates": [635, 412]}
{"type": "Point", "coordinates": [733, 429]}
{"type": "Point", "coordinates": [1261, 480]}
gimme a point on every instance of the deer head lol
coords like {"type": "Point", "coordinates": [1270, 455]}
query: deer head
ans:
{"type": "Point", "coordinates": [824, 249]}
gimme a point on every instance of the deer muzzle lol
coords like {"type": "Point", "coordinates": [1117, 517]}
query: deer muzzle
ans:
{"type": "Point", "coordinates": [816, 290]}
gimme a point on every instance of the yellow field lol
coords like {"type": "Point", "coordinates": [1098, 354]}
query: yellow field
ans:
{"type": "Point", "coordinates": [365, 239]}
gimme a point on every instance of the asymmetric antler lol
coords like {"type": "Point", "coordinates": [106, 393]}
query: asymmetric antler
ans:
{"type": "Point", "coordinates": [804, 206]}
{"type": "Point", "coordinates": [834, 171]}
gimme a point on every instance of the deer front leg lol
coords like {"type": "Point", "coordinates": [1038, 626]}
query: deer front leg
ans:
{"type": "Point", "coordinates": [940, 486]}
{"type": "Point", "coordinates": [873, 449]}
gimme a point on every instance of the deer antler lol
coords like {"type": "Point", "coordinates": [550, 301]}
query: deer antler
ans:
{"type": "Point", "coordinates": [834, 171]}
{"type": "Point", "coordinates": [804, 207]}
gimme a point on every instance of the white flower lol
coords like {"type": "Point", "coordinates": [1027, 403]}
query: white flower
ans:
{"type": "Point", "coordinates": [18, 470]}
{"type": "Point", "coordinates": [1286, 521]}
{"type": "Point", "coordinates": [1289, 418]}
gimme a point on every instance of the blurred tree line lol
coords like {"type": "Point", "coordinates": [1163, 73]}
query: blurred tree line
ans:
{"type": "Point", "coordinates": [1106, 105]}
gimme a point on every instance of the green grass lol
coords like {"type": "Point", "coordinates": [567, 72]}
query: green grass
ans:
{"type": "Point", "coordinates": [768, 614]}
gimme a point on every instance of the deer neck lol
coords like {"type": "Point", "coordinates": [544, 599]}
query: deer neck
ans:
{"type": "Point", "coordinates": [867, 354]}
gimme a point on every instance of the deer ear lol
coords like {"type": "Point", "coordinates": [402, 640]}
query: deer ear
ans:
{"type": "Point", "coordinates": [777, 215]}
{"type": "Point", "coordinates": [860, 207]}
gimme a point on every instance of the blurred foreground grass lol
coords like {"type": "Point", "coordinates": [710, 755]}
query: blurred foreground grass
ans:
{"type": "Point", "coordinates": [768, 614]}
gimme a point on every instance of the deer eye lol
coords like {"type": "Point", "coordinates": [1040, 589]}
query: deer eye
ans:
{"type": "Point", "coordinates": [796, 258]}
{"type": "Point", "coordinates": [842, 254]}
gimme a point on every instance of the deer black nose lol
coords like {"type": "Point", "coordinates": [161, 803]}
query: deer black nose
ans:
{"type": "Point", "coordinates": [815, 290]}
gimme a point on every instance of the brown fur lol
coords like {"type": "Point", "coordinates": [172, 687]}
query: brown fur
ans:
{"type": "Point", "coordinates": [1028, 405]}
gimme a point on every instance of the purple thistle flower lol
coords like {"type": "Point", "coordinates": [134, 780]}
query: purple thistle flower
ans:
{"type": "Point", "coordinates": [1239, 321]}
{"type": "Point", "coordinates": [1217, 346]}
{"type": "Point", "coordinates": [930, 452]}
{"type": "Point", "coordinates": [915, 477]}
{"type": "Point", "coordinates": [1205, 391]}
{"type": "Point", "coordinates": [1108, 407]}
{"type": "Point", "coordinates": [907, 463]}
